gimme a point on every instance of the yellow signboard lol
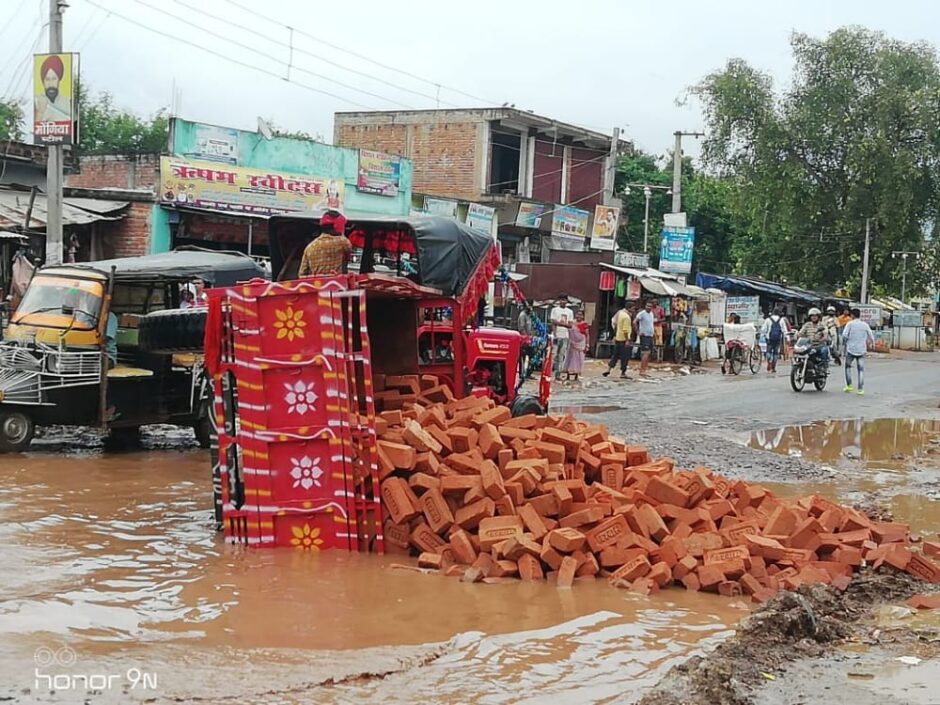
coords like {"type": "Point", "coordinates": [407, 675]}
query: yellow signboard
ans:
{"type": "Point", "coordinates": [53, 98]}
{"type": "Point", "coordinates": [214, 186]}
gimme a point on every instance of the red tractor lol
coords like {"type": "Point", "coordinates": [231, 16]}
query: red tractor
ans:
{"type": "Point", "coordinates": [296, 363]}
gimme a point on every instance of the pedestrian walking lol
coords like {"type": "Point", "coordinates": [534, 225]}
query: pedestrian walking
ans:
{"type": "Point", "coordinates": [561, 319]}
{"type": "Point", "coordinates": [645, 326]}
{"type": "Point", "coordinates": [775, 328]}
{"type": "Point", "coordinates": [577, 346]}
{"type": "Point", "coordinates": [858, 339]}
{"type": "Point", "coordinates": [623, 335]}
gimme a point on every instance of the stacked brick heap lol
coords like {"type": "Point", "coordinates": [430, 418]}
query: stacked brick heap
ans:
{"type": "Point", "coordinates": [484, 496]}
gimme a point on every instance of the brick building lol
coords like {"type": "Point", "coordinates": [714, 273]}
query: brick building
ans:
{"type": "Point", "coordinates": [499, 157]}
{"type": "Point", "coordinates": [129, 179]}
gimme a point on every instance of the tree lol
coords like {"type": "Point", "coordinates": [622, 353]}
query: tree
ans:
{"type": "Point", "coordinates": [106, 129]}
{"type": "Point", "coordinates": [854, 135]}
{"type": "Point", "coordinates": [641, 168]}
{"type": "Point", "coordinates": [12, 120]}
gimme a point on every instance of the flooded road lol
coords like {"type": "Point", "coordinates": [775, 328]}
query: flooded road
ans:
{"type": "Point", "coordinates": [111, 566]}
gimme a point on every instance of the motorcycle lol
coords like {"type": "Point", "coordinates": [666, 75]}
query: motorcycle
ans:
{"type": "Point", "coordinates": [808, 366]}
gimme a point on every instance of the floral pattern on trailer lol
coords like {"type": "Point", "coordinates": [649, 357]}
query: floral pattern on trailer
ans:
{"type": "Point", "coordinates": [289, 324]}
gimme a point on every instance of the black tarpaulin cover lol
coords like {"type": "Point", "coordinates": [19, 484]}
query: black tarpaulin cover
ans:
{"type": "Point", "coordinates": [448, 252]}
{"type": "Point", "coordinates": [216, 268]}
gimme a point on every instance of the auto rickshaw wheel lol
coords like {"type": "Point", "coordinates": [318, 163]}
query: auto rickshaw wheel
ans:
{"type": "Point", "coordinates": [523, 405]}
{"type": "Point", "coordinates": [16, 431]}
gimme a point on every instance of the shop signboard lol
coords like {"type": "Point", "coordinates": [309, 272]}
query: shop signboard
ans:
{"type": "Point", "coordinates": [907, 319]}
{"type": "Point", "coordinates": [482, 219]}
{"type": "Point", "coordinates": [54, 114]}
{"type": "Point", "coordinates": [675, 252]}
{"type": "Point", "coordinates": [530, 214]}
{"type": "Point", "coordinates": [639, 260]}
{"type": "Point", "coordinates": [570, 221]}
{"type": "Point", "coordinates": [747, 307]}
{"type": "Point", "coordinates": [379, 173]}
{"type": "Point", "coordinates": [440, 206]}
{"type": "Point", "coordinates": [215, 144]}
{"type": "Point", "coordinates": [869, 313]}
{"type": "Point", "coordinates": [604, 230]}
{"type": "Point", "coordinates": [210, 185]}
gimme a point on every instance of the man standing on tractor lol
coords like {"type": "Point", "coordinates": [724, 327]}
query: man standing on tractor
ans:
{"type": "Point", "coordinates": [330, 251]}
{"type": "Point", "coordinates": [561, 319]}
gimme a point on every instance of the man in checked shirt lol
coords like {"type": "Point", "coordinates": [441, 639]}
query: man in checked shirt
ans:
{"type": "Point", "coordinates": [329, 252]}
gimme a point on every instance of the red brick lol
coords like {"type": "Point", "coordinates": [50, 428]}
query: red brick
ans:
{"type": "Point", "coordinates": [697, 544]}
{"type": "Point", "coordinates": [661, 574]}
{"type": "Point", "coordinates": [464, 552]}
{"type": "Point", "coordinates": [430, 560]}
{"type": "Point", "coordinates": [770, 549]}
{"type": "Point", "coordinates": [735, 534]}
{"type": "Point", "coordinates": [729, 588]}
{"type": "Point", "coordinates": [710, 577]}
{"type": "Point", "coordinates": [763, 595]}
{"type": "Point", "coordinates": [720, 555]}
{"type": "Point", "coordinates": [494, 530]}
{"type": "Point", "coordinates": [781, 522]}
{"type": "Point", "coordinates": [685, 565]}
{"type": "Point", "coordinates": [566, 572]}
{"type": "Point", "coordinates": [566, 540]}
{"type": "Point", "coordinates": [924, 602]}
{"type": "Point", "coordinates": [469, 516]}
{"type": "Point", "coordinates": [614, 557]}
{"type": "Point", "coordinates": [841, 582]}
{"type": "Point", "coordinates": [396, 534]}
{"type": "Point", "coordinates": [563, 498]}
{"type": "Point", "coordinates": [459, 484]}
{"type": "Point", "coordinates": [590, 515]}
{"type": "Point", "coordinates": [396, 499]}
{"type": "Point", "coordinates": [570, 441]}
{"type": "Point", "coordinates": [533, 522]}
{"type": "Point", "coordinates": [667, 493]}
{"type": "Point", "coordinates": [923, 568]}
{"type": "Point", "coordinates": [691, 582]}
{"type": "Point", "coordinates": [550, 557]}
{"type": "Point", "coordinates": [421, 482]}
{"type": "Point", "coordinates": [750, 584]}
{"type": "Point", "coordinates": [655, 527]}
{"type": "Point", "coordinates": [848, 556]}
{"type": "Point", "coordinates": [402, 456]}
{"type": "Point", "coordinates": [530, 568]}
{"type": "Point", "coordinates": [436, 510]}
{"type": "Point", "coordinates": [636, 568]}
{"type": "Point", "coordinates": [424, 539]}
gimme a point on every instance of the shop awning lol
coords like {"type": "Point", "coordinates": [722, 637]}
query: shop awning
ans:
{"type": "Point", "coordinates": [15, 204]}
{"type": "Point", "coordinates": [754, 286]}
{"type": "Point", "coordinates": [638, 273]}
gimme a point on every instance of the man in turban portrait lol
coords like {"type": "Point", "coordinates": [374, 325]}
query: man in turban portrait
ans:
{"type": "Point", "coordinates": [51, 106]}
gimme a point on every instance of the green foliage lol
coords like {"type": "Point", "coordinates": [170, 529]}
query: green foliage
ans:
{"type": "Point", "coordinates": [854, 135]}
{"type": "Point", "coordinates": [12, 120]}
{"type": "Point", "coordinates": [106, 129]}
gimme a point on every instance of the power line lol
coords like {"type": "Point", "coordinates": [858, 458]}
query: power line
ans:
{"type": "Point", "coordinates": [300, 50]}
{"type": "Point", "coordinates": [363, 57]}
{"type": "Point", "coordinates": [552, 172]}
{"type": "Point", "coordinates": [91, 35]}
{"type": "Point", "coordinates": [13, 17]}
{"type": "Point", "coordinates": [275, 59]}
{"type": "Point", "coordinates": [226, 57]}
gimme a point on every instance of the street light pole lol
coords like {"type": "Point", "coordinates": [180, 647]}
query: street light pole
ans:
{"type": "Point", "coordinates": [646, 219]}
{"type": "Point", "coordinates": [677, 168]}
{"type": "Point", "coordinates": [904, 255]}
{"type": "Point", "coordinates": [55, 156]}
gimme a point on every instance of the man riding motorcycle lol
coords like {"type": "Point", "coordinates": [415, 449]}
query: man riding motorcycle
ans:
{"type": "Point", "coordinates": [817, 332]}
{"type": "Point", "coordinates": [832, 325]}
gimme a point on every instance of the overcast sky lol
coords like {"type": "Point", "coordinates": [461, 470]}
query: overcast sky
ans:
{"type": "Point", "coordinates": [597, 63]}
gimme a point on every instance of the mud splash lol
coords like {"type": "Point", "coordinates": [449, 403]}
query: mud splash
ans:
{"type": "Point", "coordinates": [114, 558]}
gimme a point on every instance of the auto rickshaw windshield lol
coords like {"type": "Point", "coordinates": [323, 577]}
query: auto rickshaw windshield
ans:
{"type": "Point", "coordinates": [62, 298]}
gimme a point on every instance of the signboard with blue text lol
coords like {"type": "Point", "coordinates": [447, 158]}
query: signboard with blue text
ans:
{"type": "Point", "coordinates": [675, 251]}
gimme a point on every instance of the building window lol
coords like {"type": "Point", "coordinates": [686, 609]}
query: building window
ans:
{"type": "Point", "coordinates": [504, 162]}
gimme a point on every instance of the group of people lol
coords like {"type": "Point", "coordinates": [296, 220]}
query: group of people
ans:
{"type": "Point", "coordinates": [843, 334]}
{"type": "Point", "coordinates": [570, 340]}
{"type": "Point", "coordinates": [629, 328]}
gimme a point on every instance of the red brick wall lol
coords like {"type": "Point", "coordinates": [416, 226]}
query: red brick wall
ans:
{"type": "Point", "coordinates": [117, 172]}
{"type": "Point", "coordinates": [586, 178]}
{"type": "Point", "coordinates": [546, 172]}
{"type": "Point", "coordinates": [443, 153]}
{"type": "Point", "coordinates": [128, 237]}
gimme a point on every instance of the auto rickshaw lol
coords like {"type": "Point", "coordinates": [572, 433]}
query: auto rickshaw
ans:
{"type": "Point", "coordinates": [55, 364]}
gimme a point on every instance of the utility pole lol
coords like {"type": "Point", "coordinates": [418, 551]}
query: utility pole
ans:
{"type": "Point", "coordinates": [611, 173]}
{"type": "Point", "coordinates": [646, 219]}
{"type": "Point", "coordinates": [54, 159]}
{"type": "Point", "coordinates": [677, 168]}
{"type": "Point", "coordinates": [904, 255]}
{"type": "Point", "coordinates": [864, 297]}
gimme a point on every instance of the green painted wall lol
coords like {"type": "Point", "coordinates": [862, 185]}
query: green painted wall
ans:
{"type": "Point", "coordinates": [159, 230]}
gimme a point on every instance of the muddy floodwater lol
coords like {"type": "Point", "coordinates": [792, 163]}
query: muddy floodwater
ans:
{"type": "Point", "coordinates": [111, 568]}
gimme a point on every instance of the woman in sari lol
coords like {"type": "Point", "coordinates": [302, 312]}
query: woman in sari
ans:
{"type": "Point", "coordinates": [577, 346]}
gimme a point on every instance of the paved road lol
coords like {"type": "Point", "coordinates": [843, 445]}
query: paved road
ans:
{"type": "Point", "coordinates": [693, 418]}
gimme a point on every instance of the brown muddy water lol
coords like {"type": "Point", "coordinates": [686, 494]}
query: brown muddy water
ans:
{"type": "Point", "coordinates": [894, 463]}
{"type": "Point", "coordinates": [113, 576]}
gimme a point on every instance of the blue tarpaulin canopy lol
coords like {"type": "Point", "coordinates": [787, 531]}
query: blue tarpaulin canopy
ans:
{"type": "Point", "coordinates": [752, 286]}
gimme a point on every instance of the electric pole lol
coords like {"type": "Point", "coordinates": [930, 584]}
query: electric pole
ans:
{"type": "Point", "coordinates": [864, 297]}
{"type": "Point", "coordinates": [677, 168]}
{"type": "Point", "coordinates": [904, 255]}
{"type": "Point", "coordinates": [611, 173]}
{"type": "Point", "coordinates": [54, 155]}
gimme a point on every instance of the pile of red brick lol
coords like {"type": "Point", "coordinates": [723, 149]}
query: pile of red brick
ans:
{"type": "Point", "coordinates": [484, 496]}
